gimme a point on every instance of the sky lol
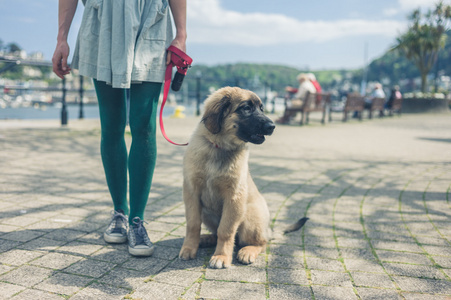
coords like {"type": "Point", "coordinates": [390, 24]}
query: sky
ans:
{"type": "Point", "coordinates": [313, 35]}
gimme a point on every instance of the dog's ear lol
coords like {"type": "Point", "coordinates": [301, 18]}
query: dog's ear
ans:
{"type": "Point", "coordinates": [215, 114]}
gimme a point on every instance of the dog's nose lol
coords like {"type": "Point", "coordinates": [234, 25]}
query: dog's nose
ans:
{"type": "Point", "coordinates": [269, 127]}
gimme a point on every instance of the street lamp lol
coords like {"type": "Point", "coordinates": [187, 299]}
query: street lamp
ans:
{"type": "Point", "coordinates": [63, 102]}
{"type": "Point", "coordinates": [81, 114]}
{"type": "Point", "coordinates": [198, 77]}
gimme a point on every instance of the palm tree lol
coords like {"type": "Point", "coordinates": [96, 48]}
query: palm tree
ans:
{"type": "Point", "coordinates": [424, 38]}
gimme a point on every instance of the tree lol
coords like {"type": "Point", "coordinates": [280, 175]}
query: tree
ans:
{"type": "Point", "coordinates": [13, 47]}
{"type": "Point", "coordinates": [424, 38]}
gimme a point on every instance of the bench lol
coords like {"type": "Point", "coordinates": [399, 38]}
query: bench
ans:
{"type": "Point", "coordinates": [377, 104]}
{"type": "Point", "coordinates": [313, 102]}
{"type": "Point", "coordinates": [396, 106]}
{"type": "Point", "coordinates": [354, 102]}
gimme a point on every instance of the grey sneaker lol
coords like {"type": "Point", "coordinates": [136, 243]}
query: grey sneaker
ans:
{"type": "Point", "coordinates": [116, 232]}
{"type": "Point", "coordinates": [139, 243]}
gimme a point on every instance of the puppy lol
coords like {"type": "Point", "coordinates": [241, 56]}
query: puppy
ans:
{"type": "Point", "coordinates": [218, 189]}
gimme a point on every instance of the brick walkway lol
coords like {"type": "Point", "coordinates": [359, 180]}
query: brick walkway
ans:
{"type": "Point", "coordinates": [377, 194]}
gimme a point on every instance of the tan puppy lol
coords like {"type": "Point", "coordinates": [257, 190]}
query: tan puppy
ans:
{"type": "Point", "coordinates": [218, 189]}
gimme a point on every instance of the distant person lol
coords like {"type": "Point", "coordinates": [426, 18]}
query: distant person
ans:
{"type": "Point", "coordinates": [377, 92]}
{"type": "Point", "coordinates": [318, 88]}
{"type": "Point", "coordinates": [395, 94]}
{"type": "Point", "coordinates": [299, 94]}
{"type": "Point", "coordinates": [122, 46]}
{"type": "Point", "coordinates": [315, 82]}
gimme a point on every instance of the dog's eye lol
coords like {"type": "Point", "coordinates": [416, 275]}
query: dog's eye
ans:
{"type": "Point", "coordinates": [262, 108]}
{"type": "Point", "coordinates": [247, 109]}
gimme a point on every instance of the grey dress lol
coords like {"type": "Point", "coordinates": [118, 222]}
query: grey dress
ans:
{"type": "Point", "coordinates": [123, 41]}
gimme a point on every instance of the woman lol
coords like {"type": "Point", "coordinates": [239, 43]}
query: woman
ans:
{"type": "Point", "coordinates": [122, 45]}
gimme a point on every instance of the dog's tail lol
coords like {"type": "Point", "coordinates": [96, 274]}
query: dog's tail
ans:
{"type": "Point", "coordinates": [296, 226]}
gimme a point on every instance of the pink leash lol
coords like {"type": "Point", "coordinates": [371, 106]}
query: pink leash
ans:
{"type": "Point", "coordinates": [182, 61]}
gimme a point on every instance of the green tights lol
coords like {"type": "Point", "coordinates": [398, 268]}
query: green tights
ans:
{"type": "Point", "coordinates": [143, 149]}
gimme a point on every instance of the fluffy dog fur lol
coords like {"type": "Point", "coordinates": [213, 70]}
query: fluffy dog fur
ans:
{"type": "Point", "coordinates": [218, 189]}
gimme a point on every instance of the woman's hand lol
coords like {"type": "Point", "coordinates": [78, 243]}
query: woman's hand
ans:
{"type": "Point", "coordinates": [178, 42]}
{"type": "Point", "coordinates": [59, 60]}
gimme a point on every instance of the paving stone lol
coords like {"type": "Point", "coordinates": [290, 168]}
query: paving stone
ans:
{"type": "Point", "coordinates": [349, 253]}
{"type": "Point", "coordinates": [80, 248]}
{"type": "Point", "coordinates": [411, 296]}
{"type": "Point", "coordinates": [101, 292]}
{"type": "Point", "coordinates": [95, 237]}
{"type": "Point", "coordinates": [112, 255]}
{"type": "Point", "coordinates": [352, 243]}
{"type": "Point", "coordinates": [6, 245]}
{"type": "Point", "coordinates": [187, 278]}
{"type": "Point", "coordinates": [277, 261]}
{"type": "Point", "coordinates": [372, 280]}
{"type": "Point", "coordinates": [90, 267]}
{"type": "Point", "coordinates": [287, 250]}
{"type": "Point", "coordinates": [324, 264]}
{"type": "Point", "coordinates": [26, 275]}
{"type": "Point", "coordinates": [394, 256]}
{"type": "Point", "coordinates": [157, 290]}
{"type": "Point", "coordinates": [171, 241]}
{"type": "Point", "coordinates": [145, 263]}
{"type": "Point", "coordinates": [42, 244]}
{"type": "Point", "coordinates": [18, 257]}
{"type": "Point", "coordinates": [287, 276]}
{"type": "Point", "coordinates": [325, 242]}
{"type": "Point", "coordinates": [125, 278]}
{"type": "Point", "coordinates": [331, 278]}
{"type": "Point", "coordinates": [234, 273]}
{"type": "Point", "coordinates": [432, 286]}
{"type": "Point", "coordinates": [66, 235]}
{"type": "Point", "coordinates": [232, 290]}
{"type": "Point", "coordinates": [437, 250]}
{"type": "Point", "coordinates": [287, 292]}
{"type": "Point", "coordinates": [413, 270]}
{"type": "Point", "coordinates": [191, 293]}
{"type": "Point", "coordinates": [167, 253]}
{"type": "Point", "coordinates": [55, 260]}
{"type": "Point", "coordinates": [64, 284]}
{"type": "Point", "coordinates": [4, 229]}
{"type": "Point", "coordinates": [363, 265]}
{"type": "Point", "coordinates": [9, 290]}
{"type": "Point", "coordinates": [397, 246]}
{"type": "Point", "coordinates": [20, 221]}
{"type": "Point", "coordinates": [375, 294]}
{"type": "Point", "coordinates": [31, 294]}
{"type": "Point", "coordinates": [321, 252]}
{"type": "Point", "coordinates": [22, 235]}
{"type": "Point", "coordinates": [333, 293]}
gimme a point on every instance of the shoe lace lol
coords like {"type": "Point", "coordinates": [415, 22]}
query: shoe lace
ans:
{"type": "Point", "coordinates": [118, 215]}
{"type": "Point", "coordinates": [140, 230]}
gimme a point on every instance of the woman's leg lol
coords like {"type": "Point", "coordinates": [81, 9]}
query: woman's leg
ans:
{"type": "Point", "coordinates": [112, 109]}
{"type": "Point", "coordinates": [143, 150]}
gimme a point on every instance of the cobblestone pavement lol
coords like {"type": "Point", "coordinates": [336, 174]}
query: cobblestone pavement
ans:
{"type": "Point", "coordinates": [377, 194]}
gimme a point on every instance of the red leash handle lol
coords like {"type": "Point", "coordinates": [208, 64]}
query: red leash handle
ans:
{"type": "Point", "coordinates": [182, 62]}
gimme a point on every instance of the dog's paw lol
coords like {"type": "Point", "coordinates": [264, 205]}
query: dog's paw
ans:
{"type": "Point", "coordinates": [248, 255]}
{"type": "Point", "coordinates": [187, 253]}
{"type": "Point", "coordinates": [220, 261]}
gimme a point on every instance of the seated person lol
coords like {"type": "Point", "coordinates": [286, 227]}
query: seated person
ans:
{"type": "Point", "coordinates": [305, 86]}
{"type": "Point", "coordinates": [395, 94]}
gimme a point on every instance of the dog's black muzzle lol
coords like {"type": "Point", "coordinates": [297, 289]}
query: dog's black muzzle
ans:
{"type": "Point", "coordinates": [254, 128]}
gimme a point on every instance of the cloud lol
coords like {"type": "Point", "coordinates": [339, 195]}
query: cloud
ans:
{"type": "Point", "coordinates": [209, 23]}
{"type": "Point", "coordinates": [389, 12]}
{"type": "Point", "coordinates": [414, 4]}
